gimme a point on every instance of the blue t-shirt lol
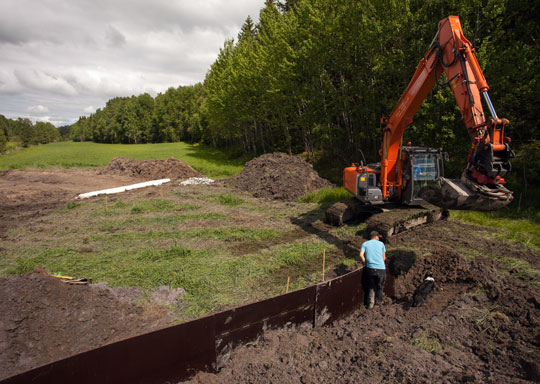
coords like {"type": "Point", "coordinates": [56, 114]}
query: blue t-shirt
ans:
{"type": "Point", "coordinates": [373, 252]}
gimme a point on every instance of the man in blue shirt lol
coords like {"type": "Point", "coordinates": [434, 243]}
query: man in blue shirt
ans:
{"type": "Point", "coordinates": [373, 255]}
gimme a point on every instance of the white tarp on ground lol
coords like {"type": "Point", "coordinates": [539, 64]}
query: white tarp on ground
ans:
{"type": "Point", "coordinates": [123, 189]}
{"type": "Point", "coordinates": [197, 180]}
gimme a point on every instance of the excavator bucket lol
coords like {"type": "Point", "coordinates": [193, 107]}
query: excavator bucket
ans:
{"type": "Point", "coordinates": [465, 194]}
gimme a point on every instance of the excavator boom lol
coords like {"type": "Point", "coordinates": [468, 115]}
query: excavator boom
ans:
{"type": "Point", "coordinates": [411, 176]}
{"type": "Point", "coordinates": [481, 186]}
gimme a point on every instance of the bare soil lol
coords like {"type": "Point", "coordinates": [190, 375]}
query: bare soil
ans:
{"type": "Point", "coordinates": [31, 193]}
{"type": "Point", "coordinates": [279, 176]}
{"type": "Point", "coordinates": [479, 325]}
{"type": "Point", "coordinates": [44, 319]}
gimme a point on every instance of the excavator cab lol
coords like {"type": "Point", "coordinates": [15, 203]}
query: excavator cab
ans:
{"type": "Point", "coordinates": [422, 167]}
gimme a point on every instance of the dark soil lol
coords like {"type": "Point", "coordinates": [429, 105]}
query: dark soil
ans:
{"type": "Point", "coordinates": [279, 176]}
{"type": "Point", "coordinates": [479, 325]}
{"type": "Point", "coordinates": [150, 169]}
{"type": "Point", "coordinates": [43, 319]}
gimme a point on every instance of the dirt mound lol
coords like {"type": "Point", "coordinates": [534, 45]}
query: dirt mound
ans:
{"type": "Point", "coordinates": [279, 176]}
{"type": "Point", "coordinates": [44, 320]}
{"type": "Point", "coordinates": [150, 169]}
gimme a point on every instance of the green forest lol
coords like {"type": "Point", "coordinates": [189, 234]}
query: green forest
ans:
{"type": "Point", "coordinates": [26, 133]}
{"type": "Point", "coordinates": [316, 76]}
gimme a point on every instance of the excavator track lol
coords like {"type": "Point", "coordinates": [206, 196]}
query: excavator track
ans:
{"type": "Point", "coordinates": [349, 210]}
{"type": "Point", "coordinates": [396, 220]}
{"type": "Point", "coordinates": [388, 219]}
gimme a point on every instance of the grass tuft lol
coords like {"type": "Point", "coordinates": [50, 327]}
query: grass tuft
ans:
{"type": "Point", "coordinates": [426, 342]}
{"type": "Point", "coordinates": [229, 200]}
{"type": "Point", "coordinates": [72, 205]}
{"type": "Point", "coordinates": [326, 196]}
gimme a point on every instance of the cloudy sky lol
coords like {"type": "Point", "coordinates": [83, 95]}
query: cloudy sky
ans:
{"type": "Point", "coordinates": [61, 59]}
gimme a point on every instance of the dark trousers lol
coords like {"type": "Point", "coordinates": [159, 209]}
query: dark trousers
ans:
{"type": "Point", "coordinates": [373, 279]}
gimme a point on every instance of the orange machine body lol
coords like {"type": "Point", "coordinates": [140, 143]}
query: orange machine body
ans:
{"type": "Point", "coordinates": [452, 53]}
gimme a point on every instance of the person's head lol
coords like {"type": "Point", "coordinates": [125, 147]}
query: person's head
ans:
{"type": "Point", "coordinates": [374, 235]}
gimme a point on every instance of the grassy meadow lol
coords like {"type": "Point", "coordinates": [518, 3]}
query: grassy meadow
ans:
{"type": "Point", "coordinates": [223, 246]}
{"type": "Point", "coordinates": [210, 162]}
{"type": "Point", "coordinates": [223, 249]}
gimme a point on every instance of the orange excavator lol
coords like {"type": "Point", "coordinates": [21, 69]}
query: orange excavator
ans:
{"type": "Point", "coordinates": [413, 175]}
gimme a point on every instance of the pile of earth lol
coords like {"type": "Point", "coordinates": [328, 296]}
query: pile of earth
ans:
{"type": "Point", "coordinates": [44, 319]}
{"type": "Point", "coordinates": [279, 176]}
{"type": "Point", "coordinates": [480, 325]}
{"type": "Point", "coordinates": [150, 169]}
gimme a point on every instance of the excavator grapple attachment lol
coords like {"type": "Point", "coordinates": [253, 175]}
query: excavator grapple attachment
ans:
{"type": "Point", "coordinates": [466, 194]}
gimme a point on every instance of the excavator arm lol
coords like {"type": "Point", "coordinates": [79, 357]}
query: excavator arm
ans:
{"type": "Point", "coordinates": [481, 186]}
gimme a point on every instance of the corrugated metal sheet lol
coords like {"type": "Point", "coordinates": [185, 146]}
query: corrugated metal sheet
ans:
{"type": "Point", "coordinates": [338, 297]}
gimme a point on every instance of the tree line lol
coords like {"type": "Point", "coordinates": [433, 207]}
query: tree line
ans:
{"type": "Point", "coordinates": [175, 115]}
{"type": "Point", "coordinates": [315, 77]}
{"type": "Point", "coordinates": [26, 133]}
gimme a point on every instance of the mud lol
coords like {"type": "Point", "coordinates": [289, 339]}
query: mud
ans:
{"type": "Point", "coordinates": [44, 320]}
{"type": "Point", "coordinates": [479, 325]}
{"type": "Point", "coordinates": [278, 176]}
{"type": "Point", "coordinates": [150, 169]}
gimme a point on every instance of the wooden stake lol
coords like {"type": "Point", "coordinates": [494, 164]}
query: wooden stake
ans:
{"type": "Point", "coordinates": [288, 281]}
{"type": "Point", "coordinates": [106, 204]}
{"type": "Point", "coordinates": [323, 262]}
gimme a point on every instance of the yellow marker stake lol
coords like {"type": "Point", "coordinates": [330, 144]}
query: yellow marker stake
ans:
{"type": "Point", "coordinates": [288, 281]}
{"type": "Point", "coordinates": [323, 262]}
{"type": "Point", "coordinates": [106, 204]}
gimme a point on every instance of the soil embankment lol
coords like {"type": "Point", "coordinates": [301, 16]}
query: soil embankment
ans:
{"type": "Point", "coordinates": [44, 319]}
{"type": "Point", "coordinates": [149, 169]}
{"type": "Point", "coordinates": [279, 176]}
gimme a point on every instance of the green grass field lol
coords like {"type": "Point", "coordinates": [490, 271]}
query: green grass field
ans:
{"type": "Point", "coordinates": [210, 162]}
{"type": "Point", "coordinates": [523, 227]}
{"type": "Point", "coordinates": [222, 246]}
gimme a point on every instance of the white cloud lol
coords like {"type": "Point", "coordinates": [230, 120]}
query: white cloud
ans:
{"type": "Point", "coordinates": [37, 109]}
{"type": "Point", "coordinates": [89, 109]}
{"type": "Point", "coordinates": [70, 54]}
{"type": "Point", "coordinates": [37, 79]}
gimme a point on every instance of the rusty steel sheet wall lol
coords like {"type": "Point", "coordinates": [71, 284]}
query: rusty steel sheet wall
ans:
{"type": "Point", "coordinates": [246, 323]}
{"type": "Point", "coordinates": [338, 297]}
{"type": "Point", "coordinates": [169, 354]}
